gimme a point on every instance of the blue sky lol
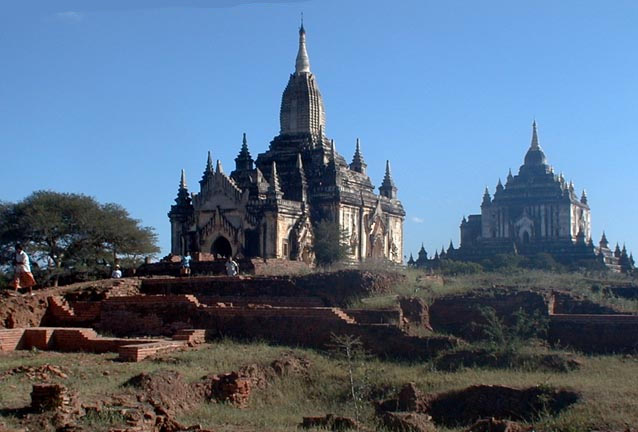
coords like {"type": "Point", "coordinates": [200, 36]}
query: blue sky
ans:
{"type": "Point", "coordinates": [112, 98]}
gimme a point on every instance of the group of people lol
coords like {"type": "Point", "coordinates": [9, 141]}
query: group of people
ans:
{"type": "Point", "coordinates": [23, 278]}
{"type": "Point", "coordinates": [232, 268]}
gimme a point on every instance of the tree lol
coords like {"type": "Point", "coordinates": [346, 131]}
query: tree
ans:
{"type": "Point", "coordinates": [72, 233]}
{"type": "Point", "coordinates": [330, 243]}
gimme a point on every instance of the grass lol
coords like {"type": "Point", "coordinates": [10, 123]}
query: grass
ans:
{"type": "Point", "coordinates": [607, 383]}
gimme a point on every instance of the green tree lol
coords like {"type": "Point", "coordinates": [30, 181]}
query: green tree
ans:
{"type": "Point", "coordinates": [72, 233]}
{"type": "Point", "coordinates": [330, 244]}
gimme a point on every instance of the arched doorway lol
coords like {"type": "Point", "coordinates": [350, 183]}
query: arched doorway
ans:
{"type": "Point", "coordinates": [526, 237]}
{"type": "Point", "coordinates": [221, 248]}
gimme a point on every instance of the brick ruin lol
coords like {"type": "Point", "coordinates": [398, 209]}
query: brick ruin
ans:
{"type": "Point", "coordinates": [163, 314]}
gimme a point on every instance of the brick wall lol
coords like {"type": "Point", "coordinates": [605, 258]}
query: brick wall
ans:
{"type": "Point", "coordinates": [595, 333]}
{"type": "Point", "coordinates": [455, 314]}
{"type": "Point", "coordinates": [334, 289]}
{"type": "Point", "coordinates": [566, 303]}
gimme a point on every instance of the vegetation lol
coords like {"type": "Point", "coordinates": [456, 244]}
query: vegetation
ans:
{"type": "Point", "coordinates": [330, 246]}
{"type": "Point", "coordinates": [71, 235]}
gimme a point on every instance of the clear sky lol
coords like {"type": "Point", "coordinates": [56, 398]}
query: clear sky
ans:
{"type": "Point", "coordinates": [111, 98]}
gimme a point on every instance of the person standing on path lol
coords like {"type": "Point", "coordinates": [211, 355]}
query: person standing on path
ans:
{"type": "Point", "coordinates": [22, 277]}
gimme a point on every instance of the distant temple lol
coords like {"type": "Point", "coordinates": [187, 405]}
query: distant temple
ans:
{"type": "Point", "coordinates": [269, 207]}
{"type": "Point", "coordinates": [536, 211]}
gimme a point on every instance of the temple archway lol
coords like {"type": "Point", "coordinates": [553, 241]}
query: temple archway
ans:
{"type": "Point", "coordinates": [221, 248]}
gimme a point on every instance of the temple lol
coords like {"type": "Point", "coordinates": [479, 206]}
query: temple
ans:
{"type": "Point", "coordinates": [535, 211]}
{"type": "Point", "coordinates": [268, 207]}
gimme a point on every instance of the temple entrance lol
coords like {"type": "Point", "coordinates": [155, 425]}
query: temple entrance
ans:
{"type": "Point", "coordinates": [221, 248]}
{"type": "Point", "coordinates": [526, 237]}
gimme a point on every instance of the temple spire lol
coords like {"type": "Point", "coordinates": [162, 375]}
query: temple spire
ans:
{"type": "Point", "coordinates": [274, 188]}
{"type": "Point", "coordinates": [302, 64]}
{"type": "Point", "coordinates": [182, 180]}
{"type": "Point", "coordinates": [219, 168]}
{"type": "Point", "coordinates": [358, 164]}
{"type": "Point", "coordinates": [183, 197]}
{"type": "Point", "coordinates": [388, 188]}
{"type": "Point", "coordinates": [535, 144]}
{"type": "Point", "coordinates": [208, 171]}
{"type": "Point", "coordinates": [209, 163]}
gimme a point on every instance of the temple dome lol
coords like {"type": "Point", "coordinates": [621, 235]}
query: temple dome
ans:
{"type": "Point", "coordinates": [535, 154]}
{"type": "Point", "coordinates": [302, 108]}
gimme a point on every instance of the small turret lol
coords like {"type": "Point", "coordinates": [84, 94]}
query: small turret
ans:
{"type": "Point", "coordinates": [617, 251]}
{"type": "Point", "coordinates": [411, 261]}
{"type": "Point", "coordinates": [583, 197]}
{"type": "Point", "coordinates": [183, 197]}
{"type": "Point", "coordinates": [180, 213]}
{"type": "Point", "coordinates": [244, 161]}
{"type": "Point", "coordinates": [450, 248]}
{"type": "Point", "coordinates": [358, 164]}
{"type": "Point", "coordinates": [388, 189]}
{"type": "Point", "coordinates": [487, 200]}
{"type": "Point", "coordinates": [510, 177]}
{"type": "Point", "coordinates": [208, 171]}
{"type": "Point", "coordinates": [499, 187]}
{"type": "Point", "coordinates": [423, 255]}
{"type": "Point", "coordinates": [603, 244]}
{"type": "Point", "coordinates": [298, 184]}
{"type": "Point", "coordinates": [274, 189]}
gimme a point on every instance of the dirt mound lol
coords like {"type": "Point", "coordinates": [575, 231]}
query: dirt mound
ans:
{"type": "Point", "coordinates": [455, 360]}
{"type": "Point", "coordinates": [165, 389]}
{"type": "Point", "coordinates": [407, 422]}
{"type": "Point", "coordinates": [466, 406]}
{"type": "Point", "coordinates": [463, 407]}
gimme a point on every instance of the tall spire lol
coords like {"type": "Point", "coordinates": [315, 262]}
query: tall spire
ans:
{"type": "Point", "coordinates": [535, 144]}
{"type": "Point", "coordinates": [358, 164]}
{"type": "Point", "coordinates": [302, 65]}
{"type": "Point", "coordinates": [182, 180]}
{"type": "Point", "coordinates": [535, 155]}
{"type": "Point", "coordinates": [388, 188]}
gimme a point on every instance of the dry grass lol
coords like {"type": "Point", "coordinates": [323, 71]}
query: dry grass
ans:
{"type": "Point", "coordinates": [607, 384]}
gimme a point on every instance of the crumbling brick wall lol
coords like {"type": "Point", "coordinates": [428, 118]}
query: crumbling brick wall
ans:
{"type": "Point", "coordinates": [457, 314]}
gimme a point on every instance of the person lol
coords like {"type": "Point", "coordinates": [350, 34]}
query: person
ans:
{"type": "Point", "coordinates": [232, 268]}
{"type": "Point", "coordinates": [117, 273]}
{"type": "Point", "coordinates": [22, 277]}
{"type": "Point", "coordinates": [186, 265]}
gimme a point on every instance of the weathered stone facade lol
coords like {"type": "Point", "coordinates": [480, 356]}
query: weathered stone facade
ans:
{"type": "Point", "coordinates": [267, 207]}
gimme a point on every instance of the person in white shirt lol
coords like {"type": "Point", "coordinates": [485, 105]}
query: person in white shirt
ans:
{"type": "Point", "coordinates": [22, 277]}
{"type": "Point", "coordinates": [117, 273]}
